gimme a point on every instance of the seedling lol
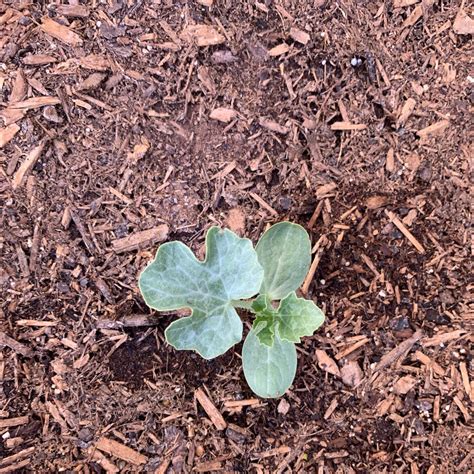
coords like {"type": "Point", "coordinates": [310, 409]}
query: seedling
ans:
{"type": "Point", "coordinates": [232, 273]}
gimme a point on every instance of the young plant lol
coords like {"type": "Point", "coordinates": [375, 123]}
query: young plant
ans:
{"type": "Point", "coordinates": [232, 273]}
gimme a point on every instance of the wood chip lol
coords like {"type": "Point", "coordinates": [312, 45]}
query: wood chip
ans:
{"type": "Point", "coordinates": [15, 468]}
{"type": "Point", "coordinates": [17, 456]}
{"type": "Point", "coordinates": [330, 410]}
{"type": "Point", "coordinates": [60, 32]}
{"type": "Point", "coordinates": [424, 359]}
{"type": "Point", "coordinates": [404, 3]}
{"type": "Point", "coordinates": [7, 133]}
{"type": "Point", "coordinates": [73, 11]}
{"type": "Point", "coordinates": [413, 17]}
{"type": "Point", "coordinates": [462, 408]}
{"type": "Point", "coordinates": [279, 50]}
{"type": "Point", "coordinates": [463, 23]}
{"type": "Point", "coordinates": [145, 238]}
{"type": "Point", "coordinates": [19, 89]}
{"type": "Point", "coordinates": [442, 338]}
{"type": "Point", "coordinates": [236, 221]}
{"type": "Point", "coordinates": [210, 409]}
{"type": "Point", "coordinates": [435, 129]}
{"type": "Point", "coordinates": [223, 114]}
{"type": "Point", "coordinates": [272, 452]}
{"type": "Point", "coordinates": [347, 126]}
{"type": "Point", "coordinates": [38, 59]}
{"type": "Point", "coordinates": [15, 346]}
{"type": "Point", "coordinates": [202, 35]}
{"type": "Point", "coordinates": [326, 363]}
{"type": "Point", "coordinates": [11, 422]}
{"type": "Point", "coordinates": [27, 165]}
{"type": "Point", "coordinates": [299, 36]}
{"type": "Point", "coordinates": [35, 102]}
{"type": "Point", "coordinates": [407, 110]}
{"type": "Point", "coordinates": [353, 347]}
{"type": "Point", "coordinates": [403, 348]}
{"type": "Point", "coordinates": [404, 385]}
{"type": "Point", "coordinates": [264, 204]}
{"type": "Point", "coordinates": [119, 450]}
{"type": "Point", "coordinates": [465, 380]}
{"type": "Point", "coordinates": [403, 229]}
{"type": "Point", "coordinates": [273, 126]}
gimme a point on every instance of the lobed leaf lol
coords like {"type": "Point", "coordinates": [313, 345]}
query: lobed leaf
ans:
{"type": "Point", "coordinates": [269, 371]}
{"type": "Point", "coordinates": [177, 279]}
{"type": "Point", "coordinates": [284, 251]}
{"type": "Point", "coordinates": [298, 317]}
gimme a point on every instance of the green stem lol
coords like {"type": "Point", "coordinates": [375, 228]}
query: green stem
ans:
{"type": "Point", "coordinates": [242, 304]}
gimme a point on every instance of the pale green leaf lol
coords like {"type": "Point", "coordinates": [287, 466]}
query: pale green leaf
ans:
{"type": "Point", "coordinates": [269, 371]}
{"type": "Point", "coordinates": [298, 317]}
{"type": "Point", "coordinates": [284, 251]}
{"type": "Point", "coordinates": [177, 279]}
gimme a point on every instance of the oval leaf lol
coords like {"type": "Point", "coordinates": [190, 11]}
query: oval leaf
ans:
{"type": "Point", "coordinates": [284, 251]}
{"type": "Point", "coordinates": [269, 371]}
{"type": "Point", "coordinates": [177, 279]}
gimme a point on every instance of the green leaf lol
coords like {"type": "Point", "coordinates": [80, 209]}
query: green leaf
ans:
{"type": "Point", "coordinates": [177, 279]}
{"type": "Point", "coordinates": [284, 251]}
{"type": "Point", "coordinates": [298, 317]}
{"type": "Point", "coordinates": [264, 327]}
{"type": "Point", "coordinates": [269, 371]}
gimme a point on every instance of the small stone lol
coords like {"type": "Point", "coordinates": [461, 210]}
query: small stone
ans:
{"type": "Point", "coordinates": [283, 407]}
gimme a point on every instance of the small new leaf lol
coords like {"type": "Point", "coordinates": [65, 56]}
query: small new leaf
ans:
{"type": "Point", "coordinates": [284, 251]}
{"type": "Point", "coordinates": [177, 279]}
{"type": "Point", "coordinates": [298, 317]}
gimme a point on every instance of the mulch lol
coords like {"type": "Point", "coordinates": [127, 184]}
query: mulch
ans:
{"type": "Point", "coordinates": [124, 124]}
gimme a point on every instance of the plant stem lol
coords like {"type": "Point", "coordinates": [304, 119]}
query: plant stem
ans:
{"type": "Point", "coordinates": [242, 304]}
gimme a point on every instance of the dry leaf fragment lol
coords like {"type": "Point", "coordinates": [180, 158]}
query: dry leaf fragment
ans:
{"type": "Point", "coordinates": [404, 385]}
{"type": "Point", "coordinates": [279, 50]}
{"type": "Point", "coordinates": [139, 151]}
{"type": "Point", "coordinates": [273, 126]}
{"type": "Point", "coordinates": [95, 62]}
{"type": "Point", "coordinates": [463, 24]}
{"type": "Point", "coordinates": [223, 114]}
{"type": "Point", "coordinates": [299, 35]}
{"type": "Point", "coordinates": [7, 133]}
{"type": "Point", "coordinates": [92, 82]}
{"type": "Point", "coordinates": [352, 373]}
{"type": "Point", "coordinates": [435, 129]}
{"type": "Point", "coordinates": [327, 363]}
{"type": "Point", "coordinates": [60, 32]}
{"type": "Point", "coordinates": [38, 59]}
{"type": "Point", "coordinates": [236, 221]}
{"type": "Point", "coordinates": [412, 161]}
{"type": "Point", "coordinates": [202, 35]}
{"type": "Point", "coordinates": [325, 189]}
{"type": "Point", "coordinates": [374, 202]}
{"type": "Point", "coordinates": [283, 407]}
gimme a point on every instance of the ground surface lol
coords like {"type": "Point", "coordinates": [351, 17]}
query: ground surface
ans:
{"type": "Point", "coordinates": [108, 131]}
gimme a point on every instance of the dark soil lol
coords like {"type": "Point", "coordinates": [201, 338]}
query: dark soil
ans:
{"type": "Point", "coordinates": [322, 134]}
